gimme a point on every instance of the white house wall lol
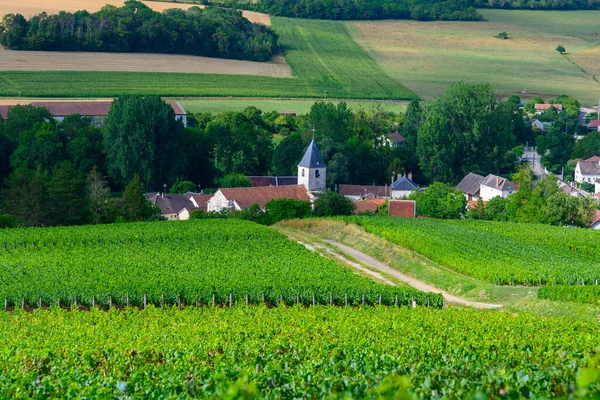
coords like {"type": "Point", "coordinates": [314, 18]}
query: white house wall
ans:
{"type": "Point", "coordinates": [398, 194]}
{"type": "Point", "coordinates": [487, 193]}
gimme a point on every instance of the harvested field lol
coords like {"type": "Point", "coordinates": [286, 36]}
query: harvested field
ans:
{"type": "Point", "coordinates": [427, 57]}
{"type": "Point", "coordinates": [33, 7]}
{"type": "Point", "coordinates": [136, 62]}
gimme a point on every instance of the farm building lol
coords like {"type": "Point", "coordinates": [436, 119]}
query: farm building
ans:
{"type": "Point", "coordinates": [403, 187]}
{"type": "Point", "coordinates": [476, 187]}
{"type": "Point", "coordinates": [540, 108]}
{"type": "Point", "coordinates": [587, 170]}
{"type": "Point", "coordinates": [364, 192]}
{"type": "Point", "coordinates": [179, 206]}
{"type": "Point", "coordinates": [244, 198]}
{"type": "Point", "coordinates": [402, 208]}
{"type": "Point", "coordinates": [97, 110]}
{"type": "Point", "coordinates": [594, 125]}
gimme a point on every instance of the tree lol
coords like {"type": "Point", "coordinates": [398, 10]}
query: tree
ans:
{"type": "Point", "coordinates": [502, 35]}
{"type": "Point", "coordinates": [22, 118]}
{"type": "Point", "coordinates": [561, 49]}
{"type": "Point", "coordinates": [83, 143]}
{"type": "Point", "coordinates": [330, 120]}
{"type": "Point", "coordinates": [7, 221]}
{"type": "Point", "coordinates": [530, 105]}
{"type": "Point", "coordinates": [25, 196]}
{"type": "Point", "coordinates": [235, 181]}
{"type": "Point", "coordinates": [142, 136]}
{"type": "Point", "coordinates": [68, 196]}
{"type": "Point", "coordinates": [280, 209]}
{"type": "Point", "coordinates": [101, 205]}
{"type": "Point", "coordinates": [136, 207]}
{"type": "Point", "coordinates": [587, 147]}
{"type": "Point", "coordinates": [181, 187]}
{"type": "Point", "coordinates": [287, 155]}
{"type": "Point", "coordinates": [466, 130]}
{"type": "Point", "coordinates": [38, 146]}
{"type": "Point", "coordinates": [330, 204]}
{"type": "Point", "coordinates": [440, 200]}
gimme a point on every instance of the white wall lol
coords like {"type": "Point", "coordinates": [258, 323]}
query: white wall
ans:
{"type": "Point", "coordinates": [219, 202]}
{"type": "Point", "coordinates": [487, 193]}
{"type": "Point", "coordinates": [398, 194]}
{"type": "Point", "coordinates": [310, 181]}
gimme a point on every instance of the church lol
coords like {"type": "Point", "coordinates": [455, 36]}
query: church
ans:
{"type": "Point", "coordinates": [312, 180]}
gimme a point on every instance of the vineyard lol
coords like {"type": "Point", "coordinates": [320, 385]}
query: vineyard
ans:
{"type": "Point", "coordinates": [294, 352]}
{"type": "Point", "coordinates": [496, 252]}
{"type": "Point", "coordinates": [578, 294]}
{"type": "Point", "coordinates": [185, 263]}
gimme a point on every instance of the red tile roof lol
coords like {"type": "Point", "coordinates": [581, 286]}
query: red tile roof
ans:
{"type": "Point", "coordinates": [398, 138]}
{"type": "Point", "coordinates": [362, 190]}
{"type": "Point", "coordinates": [593, 158]}
{"type": "Point", "coordinates": [544, 107]}
{"type": "Point", "coordinates": [402, 208]}
{"type": "Point", "coordinates": [4, 111]}
{"type": "Point", "coordinates": [595, 123]}
{"type": "Point", "coordinates": [364, 206]}
{"type": "Point", "coordinates": [246, 197]}
{"type": "Point", "coordinates": [262, 181]}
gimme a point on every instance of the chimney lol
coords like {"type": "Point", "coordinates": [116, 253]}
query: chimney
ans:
{"type": "Point", "coordinates": [497, 181]}
{"type": "Point", "coordinates": [410, 176]}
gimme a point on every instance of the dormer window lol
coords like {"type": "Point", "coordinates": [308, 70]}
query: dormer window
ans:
{"type": "Point", "coordinates": [317, 174]}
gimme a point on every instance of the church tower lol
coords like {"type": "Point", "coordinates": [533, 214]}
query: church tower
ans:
{"type": "Point", "coordinates": [312, 171]}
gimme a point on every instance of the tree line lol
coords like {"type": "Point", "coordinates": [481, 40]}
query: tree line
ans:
{"type": "Point", "coordinates": [134, 27]}
{"type": "Point", "coordinates": [429, 10]}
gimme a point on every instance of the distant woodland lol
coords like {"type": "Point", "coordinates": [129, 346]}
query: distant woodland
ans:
{"type": "Point", "coordinates": [212, 32]}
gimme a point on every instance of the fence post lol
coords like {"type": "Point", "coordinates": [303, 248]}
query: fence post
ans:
{"type": "Point", "coordinates": [213, 300]}
{"type": "Point", "coordinates": [396, 301]}
{"type": "Point", "coordinates": [5, 304]}
{"type": "Point", "coordinates": [93, 301]}
{"type": "Point", "coordinates": [313, 297]}
{"type": "Point", "coordinates": [263, 298]}
{"type": "Point", "coordinates": [297, 299]}
{"type": "Point", "coordinates": [109, 302]}
{"type": "Point", "coordinates": [280, 298]}
{"type": "Point", "coordinates": [75, 301]}
{"type": "Point", "coordinates": [162, 301]}
{"type": "Point", "coordinates": [247, 300]}
{"type": "Point", "coordinates": [230, 300]}
{"type": "Point", "coordinates": [40, 303]}
{"type": "Point", "coordinates": [179, 301]}
{"type": "Point", "coordinates": [58, 302]}
{"type": "Point", "coordinates": [127, 299]}
{"type": "Point", "coordinates": [363, 299]}
{"type": "Point", "coordinates": [379, 298]}
{"type": "Point", "coordinates": [330, 299]}
{"type": "Point", "coordinates": [145, 300]}
{"type": "Point", "coordinates": [197, 301]}
{"type": "Point", "coordinates": [346, 299]}
{"type": "Point", "coordinates": [23, 303]}
{"type": "Point", "coordinates": [414, 303]}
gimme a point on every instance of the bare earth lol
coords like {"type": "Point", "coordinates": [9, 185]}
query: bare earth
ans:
{"type": "Point", "coordinates": [136, 62]}
{"type": "Point", "coordinates": [30, 8]}
{"type": "Point", "coordinates": [372, 262]}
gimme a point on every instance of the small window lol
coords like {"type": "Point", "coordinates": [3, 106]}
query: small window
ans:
{"type": "Point", "coordinates": [302, 171]}
{"type": "Point", "coordinates": [317, 174]}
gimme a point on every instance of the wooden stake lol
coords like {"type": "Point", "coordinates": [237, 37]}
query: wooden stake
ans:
{"type": "Point", "coordinates": [380, 299]}
{"type": "Point", "coordinates": [330, 299]}
{"type": "Point", "coordinates": [213, 300]}
{"type": "Point", "coordinates": [162, 301]}
{"type": "Point", "coordinates": [396, 301]}
{"type": "Point", "coordinates": [127, 300]}
{"type": "Point", "coordinates": [346, 299]}
{"type": "Point", "coordinates": [230, 300]}
{"type": "Point", "coordinates": [109, 302]}
{"type": "Point", "coordinates": [313, 297]}
{"type": "Point", "coordinates": [363, 299]}
{"type": "Point", "coordinates": [145, 300]}
{"type": "Point", "coordinates": [247, 300]}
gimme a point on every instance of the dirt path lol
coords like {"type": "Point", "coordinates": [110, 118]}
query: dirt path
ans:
{"type": "Point", "coordinates": [372, 262]}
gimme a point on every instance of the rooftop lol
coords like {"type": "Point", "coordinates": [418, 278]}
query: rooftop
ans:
{"type": "Point", "coordinates": [246, 197]}
{"type": "Point", "coordinates": [471, 184]}
{"type": "Point", "coordinates": [404, 184]}
{"type": "Point", "coordinates": [312, 157]}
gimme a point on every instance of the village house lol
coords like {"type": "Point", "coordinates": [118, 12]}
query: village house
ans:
{"type": "Point", "coordinates": [594, 125]}
{"type": "Point", "coordinates": [243, 198]}
{"type": "Point", "coordinates": [403, 187]}
{"type": "Point", "coordinates": [266, 181]}
{"type": "Point", "coordinates": [96, 110]}
{"type": "Point", "coordinates": [363, 192]}
{"type": "Point", "coordinates": [179, 206]}
{"type": "Point", "coordinates": [476, 187]}
{"type": "Point", "coordinates": [540, 108]}
{"type": "Point", "coordinates": [587, 170]}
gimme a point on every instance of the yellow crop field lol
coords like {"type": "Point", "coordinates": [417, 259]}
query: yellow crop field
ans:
{"type": "Point", "coordinates": [427, 57]}
{"type": "Point", "coordinates": [33, 7]}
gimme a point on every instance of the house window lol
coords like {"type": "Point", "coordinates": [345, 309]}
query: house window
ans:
{"type": "Point", "coordinates": [317, 174]}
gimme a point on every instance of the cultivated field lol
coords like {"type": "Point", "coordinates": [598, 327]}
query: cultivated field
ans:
{"type": "Point", "coordinates": [426, 57]}
{"type": "Point", "coordinates": [135, 62]}
{"type": "Point", "coordinates": [29, 8]}
{"type": "Point", "coordinates": [298, 106]}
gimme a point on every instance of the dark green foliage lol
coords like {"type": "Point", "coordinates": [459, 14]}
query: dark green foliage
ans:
{"type": "Point", "coordinates": [453, 10]}
{"type": "Point", "coordinates": [561, 49]}
{"type": "Point", "coordinates": [68, 197]}
{"type": "Point", "coordinates": [7, 221]}
{"type": "Point", "coordinates": [25, 196]}
{"type": "Point", "coordinates": [141, 136]}
{"type": "Point", "coordinates": [440, 201]}
{"type": "Point", "coordinates": [466, 130]}
{"type": "Point", "coordinates": [502, 35]}
{"type": "Point", "coordinates": [287, 155]}
{"type": "Point", "coordinates": [102, 207]}
{"type": "Point", "coordinates": [580, 294]}
{"type": "Point", "coordinates": [587, 147]}
{"type": "Point", "coordinates": [136, 207]}
{"type": "Point", "coordinates": [280, 209]}
{"type": "Point", "coordinates": [182, 187]}
{"type": "Point", "coordinates": [213, 32]}
{"type": "Point", "coordinates": [330, 204]}
{"type": "Point", "coordinates": [235, 181]}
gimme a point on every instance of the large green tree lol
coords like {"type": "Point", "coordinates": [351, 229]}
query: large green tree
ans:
{"type": "Point", "coordinates": [68, 197]}
{"type": "Point", "coordinates": [25, 196]}
{"type": "Point", "coordinates": [141, 136]}
{"type": "Point", "coordinates": [440, 200]}
{"type": "Point", "coordinates": [136, 207]}
{"type": "Point", "coordinates": [466, 130]}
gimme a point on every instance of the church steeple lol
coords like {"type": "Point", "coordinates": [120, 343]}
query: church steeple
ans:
{"type": "Point", "coordinates": [312, 171]}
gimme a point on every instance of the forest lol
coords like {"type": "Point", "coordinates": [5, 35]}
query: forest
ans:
{"type": "Point", "coordinates": [135, 28]}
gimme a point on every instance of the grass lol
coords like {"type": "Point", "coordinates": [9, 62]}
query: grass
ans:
{"type": "Point", "coordinates": [427, 57]}
{"type": "Point", "coordinates": [216, 106]}
{"type": "Point", "coordinates": [514, 298]}
{"type": "Point", "coordinates": [321, 54]}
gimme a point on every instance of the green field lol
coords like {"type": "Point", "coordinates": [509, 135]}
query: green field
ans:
{"type": "Point", "coordinates": [427, 57]}
{"type": "Point", "coordinates": [191, 261]}
{"type": "Point", "coordinates": [293, 352]}
{"type": "Point", "coordinates": [217, 106]}
{"type": "Point", "coordinates": [497, 252]}
{"type": "Point", "coordinates": [580, 294]}
{"type": "Point", "coordinates": [321, 54]}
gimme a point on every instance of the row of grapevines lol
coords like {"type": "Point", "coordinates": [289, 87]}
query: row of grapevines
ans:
{"type": "Point", "coordinates": [497, 252]}
{"type": "Point", "coordinates": [579, 294]}
{"type": "Point", "coordinates": [192, 262]}
{"type": "Point", "coordinates": [295, 352]}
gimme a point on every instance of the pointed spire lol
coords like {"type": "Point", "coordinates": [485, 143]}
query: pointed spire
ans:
{"type": "Point", "coordinates": [312, 157]}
